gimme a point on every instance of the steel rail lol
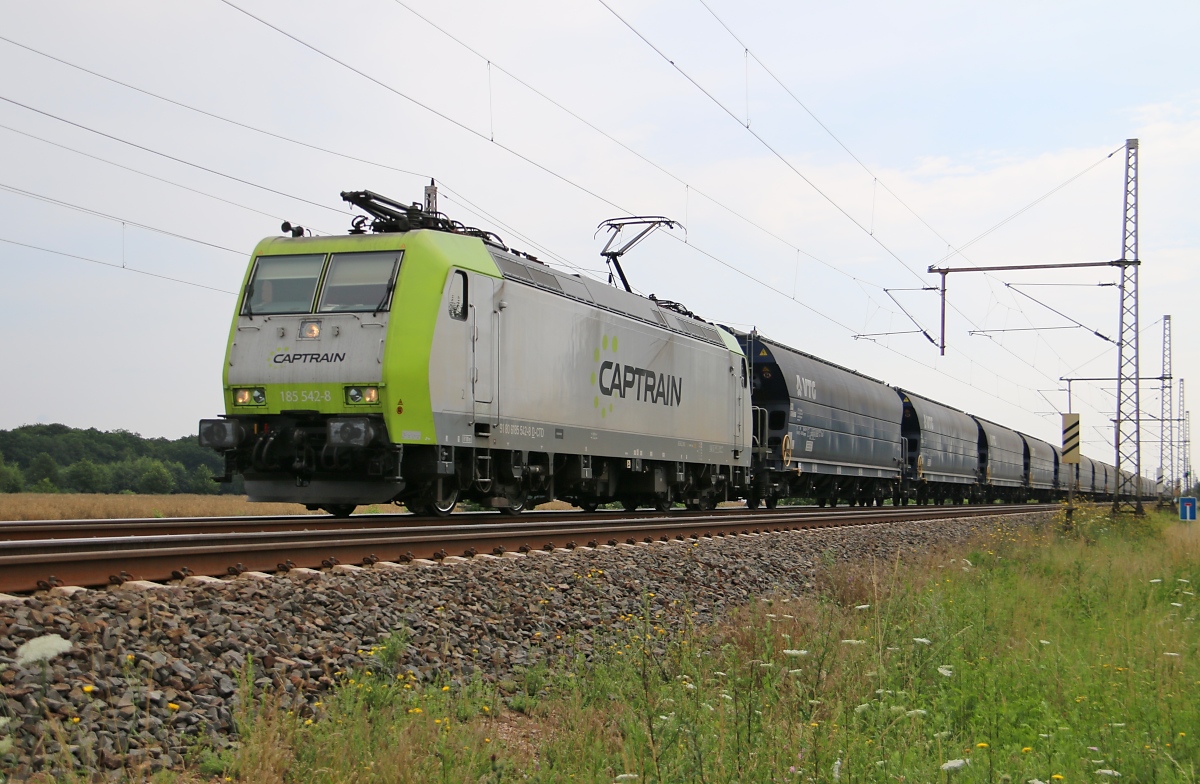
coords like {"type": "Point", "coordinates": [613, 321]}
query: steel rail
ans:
{"type": "Point", "coordinates": [15, 530]}
{"type": "Point", "coordinates": [29, 565]}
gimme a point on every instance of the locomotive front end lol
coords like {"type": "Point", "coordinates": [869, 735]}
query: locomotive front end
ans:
{"type": "Point", "coordinates": [304, 374]}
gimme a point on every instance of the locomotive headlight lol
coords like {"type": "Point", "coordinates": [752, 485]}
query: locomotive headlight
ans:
{"type": "Point", "coordinates": [249, 397]}
{"type": "Point", "coordinates": [310, 330]}
{"type": "Point", "coordinates": [366, 395]}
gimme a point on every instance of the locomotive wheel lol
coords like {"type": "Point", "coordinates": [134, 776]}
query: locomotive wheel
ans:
{"type": "Point", "coordinates": [340, 510]}
{"type": "Point", "coordinates": [440, 499]}
{"type": "Point", "coordinates": [662, 502]}
{"type": "Point", "coordinates": [516, 503]}
{"type": "Point", "coordinates": [588, 506]}
{"type": "Point", "coordinates": [752, 501]}
{"type": "Point", "coordinates": [416, 508]}
{"type": "Point", "coordinates": [629, 504]}
{"type": "Point", "coordinates": [771, 502]}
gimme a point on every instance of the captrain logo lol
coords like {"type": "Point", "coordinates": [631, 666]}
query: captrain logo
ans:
{"type": "Point", "coordinates": [644, 385]}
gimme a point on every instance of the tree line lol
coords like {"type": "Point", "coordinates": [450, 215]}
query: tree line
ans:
{"type": "Point", "coordinates": [57, 458]}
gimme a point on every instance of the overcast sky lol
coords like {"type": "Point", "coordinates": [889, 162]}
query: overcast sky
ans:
{"type": "Point", "coordinates": [817, 154]}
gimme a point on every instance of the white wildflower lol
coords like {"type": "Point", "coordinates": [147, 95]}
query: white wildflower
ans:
{"type": "Point", "coordinates": [726, 697]}
{"type": "Point", "coordinates": [786, 636]}
{"type": "Point", "coordinates": [690, 685]}
{"type": "Point", "coordinates": [1170, 654]}
{"type": "Point", "coordinates": [854, 642]}
{"type": "Point", "coordinates": [949, 673]}
{"type": "Point", "coordinates": [879, 763]}
{"type": "Point", "coordinates": [1176, 604]}
{"type": "Point", "coordinates": [923, 640]}
{"type": "Point", "coordinates": [4, 720]}
{"type": "Point", "coordinates": [861, 709]}
{"type": "Point", "coordinates": [1156, 580]}
{"type": "Point", "coordinates": [862, 607]}
{"type": "Point", "coordinates": [770, 615]}
{"type": "Point", "coordinates": [1181, 580]}
{"type": "Point", "coordinates": [916, 712]}
{"type": "Point", "coordinates": [718, 673]}
{"type": "Point", "coordinates": [955, 764]}
{"type": "Point", "coordinates": [1043, 735]}
{"type": "Point", "coordinates": [765, 664]}
{"type": "Point", "coordinates": [1189, 593]}
{"type": "Point", "coordinates": [1121, 724]}
{"type": "Point", "coordinates": [1044, 642]}
{"type": "Point", "coordinates": [794, 652]}
{"type": "Point", "coordinates": [665, 718]}
{"type": "Point", "coordinates": [941, 735]}
{"type": "Point", "coordinates": [837, 769]}
{"type": "Point", "coordinates": [706, 706]}
{"type": "Point", "coordinates": [890, 648]}
{"type": "Point", "coordinates": [814, 702]}
{"type": "Point", "coordinates": [1107, 772]}
{"type": "Point", "coordinates": [1035, 781]}
{"type": "Point", "coordinates": [626, 777]}
{"type": "Point", "coordinates": [790, 617]}
{"type": "Point", "coordinates": [795, 672]}
{"type": "Point", "coordinates": [42, 648]}
{"type": "Point", "coordinates": [6, 745]}
{"type": "Point", "coordinates": [897, 709]}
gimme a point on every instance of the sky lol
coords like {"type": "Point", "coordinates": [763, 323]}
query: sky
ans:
{"type": "Point", "coordinates": [820, 157]}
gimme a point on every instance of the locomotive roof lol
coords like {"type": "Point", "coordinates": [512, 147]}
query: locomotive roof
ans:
{"type": "Point", "coordinates": [532, 272]}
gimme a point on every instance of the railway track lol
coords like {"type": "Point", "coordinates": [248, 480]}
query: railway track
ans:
{"type": "Point", "coordinates": [99, 552]}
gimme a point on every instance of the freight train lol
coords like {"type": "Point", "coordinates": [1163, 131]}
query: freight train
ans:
{"type": "Point", "coordinates": [420, 361]}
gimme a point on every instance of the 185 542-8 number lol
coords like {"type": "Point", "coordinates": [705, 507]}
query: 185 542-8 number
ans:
{"type": "Point", "coordinates": [305, 396]}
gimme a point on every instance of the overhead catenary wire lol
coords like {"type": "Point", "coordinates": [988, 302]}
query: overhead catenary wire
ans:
{"type": "Point", "coordinates": [122, 221]}
{"type": "Point", "coordinates": [161, 154]}
{"type": "Point", "coordinates": [117, 266]}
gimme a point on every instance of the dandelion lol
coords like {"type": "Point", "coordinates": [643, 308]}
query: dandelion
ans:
{"type": "Point", "coordinates": [1027, 749]}
{"type": "Point", "coordinates": [923, 640]}
{"type": "Point", "coordinates": [487, 740]}
{"type": "Point", "coordinates": [42, 648]}
{"type": "Point", "coordinates": [916, 712]}
{"type": "Point", "coordinates": [981, 745]}
{"type": "Point", "coordinates": [1108, 772]}
{"type": "Point", "coordinates": [74, 719]}
{"type": "Point", "coordinates": [308, 722]}
{"type": "Point", "coordinates": [794, 652]}
{"type": "Point", "coordinates": [88, 688]}
{"type": "Point", "coordinates": [1057, 777]}
{"type": "Point", "coordinates": [946, 671]}
{"type": "Point", "coordinates": [863, 607]}
{"type": "Point", "coordinates": [445, 688]}
{"type": "Point", "coordinates": [955, 764]}
{"type": "Point", "coordinates": [174, 706]}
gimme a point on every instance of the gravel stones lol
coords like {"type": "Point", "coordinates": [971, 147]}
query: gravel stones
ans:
{"type": "Point", "coordinates": [153, 672]}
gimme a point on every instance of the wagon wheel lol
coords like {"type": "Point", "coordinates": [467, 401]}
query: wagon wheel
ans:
{"type": "Point", "coordinates": [752, 501]}
{"type": "Point", "coordinates": [340, 510]}
{"type": "Point", "coordinates": [771, 502]}
{"type": "Point", "coordinates": [629, 504]}
{"type": "Point", "coordinates": [662, 501]}
{"type": "Point", "coordinates": [587, 506]}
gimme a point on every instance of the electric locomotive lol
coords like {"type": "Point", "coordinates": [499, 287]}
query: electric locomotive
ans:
{"type": "Point", "coordinates": [424, 362]}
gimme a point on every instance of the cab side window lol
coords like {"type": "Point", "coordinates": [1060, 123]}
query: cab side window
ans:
{"type": "Point", "coordinates": [457, 297]}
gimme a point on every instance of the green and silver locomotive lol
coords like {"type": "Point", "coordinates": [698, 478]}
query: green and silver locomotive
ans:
{"type": "Point", "coordinates": [422, 362]}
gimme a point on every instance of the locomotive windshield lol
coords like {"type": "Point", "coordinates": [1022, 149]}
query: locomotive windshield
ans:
{"type": "Point", "coordinates": [360, 281]}
{"type": "Point", "coordinates": [283, 284]}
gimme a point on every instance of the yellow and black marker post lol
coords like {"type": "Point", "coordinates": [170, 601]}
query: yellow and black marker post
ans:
{"type": "Point", "coordinates": [1070, 457]}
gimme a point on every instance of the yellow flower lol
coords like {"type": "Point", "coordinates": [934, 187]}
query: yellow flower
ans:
{"type": "Point", "coordinates": [88, 689]}
{"type": "Point", "coordinates": [74, 719]}
{"type": "Point", "coordinates": [318, 704]}
{"type": "Point", "coordinates": [1057, 777]}
{"type": "Point", "coordinates": [307, 722]}
{"type": "Point", "coordinates": [129, 657]}
{"type": "Point", "coordinates": [414, 710]}
{"type": "Point", "coordinates": [981, 745]}
{"type": "Point", "coordinates": [437, 721]}
{"type": "Point", "coordinates": [173, 706]}
{"type": "Point", "coordinates": [487, 740]}
{"type": "Point", "coordinates": [368, 672]}
{"type": "Point", "coordinates": [408, 685]}
{"type": "Point", "coordinates": [445, 688]}
{"type": "Point", "coordinates": [486, 709]}
{"type": "Point", "coordinates": [1026, 750]}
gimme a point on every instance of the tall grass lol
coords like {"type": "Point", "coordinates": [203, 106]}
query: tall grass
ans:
{"type": "Point", "coordinates": [1033, 655]}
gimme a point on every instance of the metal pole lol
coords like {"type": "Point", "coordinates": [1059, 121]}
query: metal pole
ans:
{"type": "Point", "coordinates": [943, 345]}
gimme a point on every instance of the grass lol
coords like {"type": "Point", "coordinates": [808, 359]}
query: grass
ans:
{"type": "Point", "coordinates": [1030, 655]}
